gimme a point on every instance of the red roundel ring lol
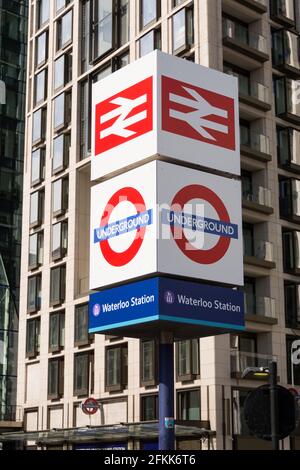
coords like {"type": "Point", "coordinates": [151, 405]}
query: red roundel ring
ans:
{"type": "Point", "coordinates": [218, 251]}
{"type": "Point", "coordinates": [113, 257]}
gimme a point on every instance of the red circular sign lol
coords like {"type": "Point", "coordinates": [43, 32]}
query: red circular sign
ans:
{"type": "Point", "coordinates": [215, 253]}
{"type": "Point", "coordinates": [90, 406]}
{"type": "Point", "coordinates": [121, 258]}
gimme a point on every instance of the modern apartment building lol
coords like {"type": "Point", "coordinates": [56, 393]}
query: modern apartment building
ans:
{"type": "Point", "coordinates": [13, 43]}
{"type": "Point", "coordinates": [71, 45]}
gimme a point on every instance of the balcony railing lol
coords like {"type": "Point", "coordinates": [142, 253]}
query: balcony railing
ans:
{"type": "Point", "coordinates": [262, 306]}
{"type": "Point", "coordinates": [11, 413]}
{"type": "Point", "coordinates": [255, 141]}
{"type": "Point", "coordinates": [264, 250]}
{"type": "Point", "coordinates": [260, 196]}
{"type": "Point", "coordinates": [255, 90]}
{"type": "Point", "coordinates": [250, 39]}
{"type": "Point", "coordinates": [240, 360]}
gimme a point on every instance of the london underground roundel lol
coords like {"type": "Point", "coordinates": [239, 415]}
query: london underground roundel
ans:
{"type": "Point", "coordinates": [207, 225]}
{"type": "Point", "coordinates": [109, 230]}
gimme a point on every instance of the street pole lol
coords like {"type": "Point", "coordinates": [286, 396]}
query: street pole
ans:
{"type": "Point", "coordinates": [274, 405]}
{"type": "Point", "coordinates": [166, 392]}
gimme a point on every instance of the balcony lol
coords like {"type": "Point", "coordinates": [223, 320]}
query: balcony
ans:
{"type": "Point", "coordinates": [240, 360]}
{"type": "Point", "coordinates": [286, 52]}
{"type": "Point", "coordinates": [287, 100]}
{"type": "Point", "coordinates": [288, 148]}
{"type": "Point", "coordinates": [258, 5]}
{"type": "Point", "coordinates": [258, 200]}
{"type": "Point", "coordinates": [246, 43]}
{"type": "Point", "coordinates": [255, 145]}
{"type": "Point", "coordinates": [259, 309]}
{"type": "Point", "coordinates": [255, 94]}
{"type": "Point", "coordinates": [11, 417]}
{"type": "Point", "coordinates": [258, 252]}
{"type": "Point", "coordinates": [283, 11]}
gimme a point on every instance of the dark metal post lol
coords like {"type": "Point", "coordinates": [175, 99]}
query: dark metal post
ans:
{"type": "Point", "coordinates": [274, 405]}
{"type": "Point", "coordinates": [166, 392]}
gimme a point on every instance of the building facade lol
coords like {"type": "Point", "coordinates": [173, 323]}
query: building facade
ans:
{"type": "Point", "coordinates": [71, 45]}
{"type": "Point", "coordinates": [13, 44]}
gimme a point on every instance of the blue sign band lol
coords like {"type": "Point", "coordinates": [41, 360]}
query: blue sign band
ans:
{"type": "Point", "coordinates": [200, 224]}
{"type": "Point", "coordinates": [122, 226]}
{"type": "Point", "coordinates": [162, 299]}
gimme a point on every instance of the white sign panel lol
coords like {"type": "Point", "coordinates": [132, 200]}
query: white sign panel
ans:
{"type": "Point", "coordinates": [162, 218]}
{"type": "Point", "coordinates": [123, 227]}
{"type": "Point", "coordinates": [163, 105]}
{"type": "Point", "coordinates": [201, 225]}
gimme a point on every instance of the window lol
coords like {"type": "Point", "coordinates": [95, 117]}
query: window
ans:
{"type": "Point", "coordinates": [85, 119]}
{"type": "Point", "coordinates": [286, 98]}
{"type": "Point", "coordinates": [291, 247]}
{"type": "Point", "coordinates": [57, 285]}
{"type": "Point", "coordinates": [36, 248]}
{"type": "Point", "coordinates": [248, 239]}
{"type": "Point", "coordinates": [64, 30]}
{"type": "Point", "coordinates": [183, 29]}
{"type": "Point", "coordinates": [36, 209]}
{"type": "Point", "coordinates": [103, 27]}
{"type": "Point", "coordinates": [283, 10]}
{"type": "Point", "coordinates": [292, 304]}
{"type": "Point", "coordinates": [243, 77]}
{"type": "Point", "coordinates": [148, 362]}
{"type": "Point", "coordinates": [247, 189]}
{"type": "Point", "coordinates": [56, 331]}
{"type": "Point", "coordinates": [249, 295]}
{"type": "Point", "coordinates": [176, 3]}
{"type": "Point", "coordinates": [81, 335]}
{"type": "Point", "coordinates": [39, 126]}
{"type": "Point", "coordinates": [149, 11]}
{"type": "Point", "coordinates": [83, 373]}
{"type": "Point", "coordinates": [188, 405]}
{"type": "Point", "coordinates": [37, 166]}
{"type": "Point", "coordinates": [60, 194]}
{"type": "Point", "coordinates": [62, 70]}
{"type": "Point", "coordinates": [116, 367]}
{"type": "Point", "coordinates": [59, 240]}
{"type": "Point", "coordinates": [34, 294]}
{"type": "Point", "coordinates": [149, 408]}
{"type": "Point", "coordinates": [43, 12]}
{"type": "Point", "coordinates": [40, 88]}
{"type": "Point", "coordinates": [86, 55]}
{"type": "Point", "coordinates": [289, 198]}
{"type": "Point", "coordinates": [33, 337]}
{"type": "Point", "coordinates": [123, 22]}
{"type": "Point", "coordinates": [61, 152]}
{"type": "Point", "coordinates": [121, 61]}
{"type": "Point", "coordinates": [187, 354]}
{"type": "Point", "coordinates": [288, 144]}
{"type": "Point", "coordinates": [62, 110]}
{"type": "Point", "coordinates": [41, 49]}
{"type": "Point", "coordinates": [239, 424]}
{"type": "Point", "coordinates": [150, 42]}
{"type": "Point", "coordinates": [56, 378]}
{"type": "Point", "coordinates": [293, 375]}
{"type": "Point", "coordinates": [285, 51]}
{"type": "Point", "coordinates": [60, 4]}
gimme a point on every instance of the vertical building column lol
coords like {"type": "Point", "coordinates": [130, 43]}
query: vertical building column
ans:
{"type": "Point", "coordinates": [208, 42]}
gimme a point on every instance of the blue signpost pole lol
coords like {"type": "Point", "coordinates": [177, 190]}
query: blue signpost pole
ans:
{"type": "Point", "coordinates": [166, 392]}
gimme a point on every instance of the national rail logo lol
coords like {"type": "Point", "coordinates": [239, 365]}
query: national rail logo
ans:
{"type": "Point", "coordinates": [124, 116]}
